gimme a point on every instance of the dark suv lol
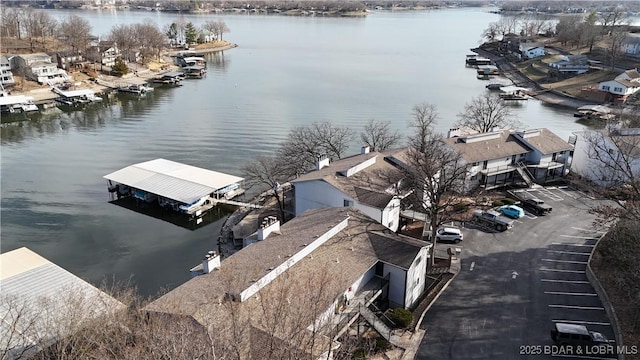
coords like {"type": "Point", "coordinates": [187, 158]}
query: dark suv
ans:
{"type": "Point", "coordinates": [575, 336]}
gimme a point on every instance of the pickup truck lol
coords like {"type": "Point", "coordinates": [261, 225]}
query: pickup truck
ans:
{"type": "Point", "coordinates": [492, 219]}
{"type": "Point", "coordinates": [536, 206]}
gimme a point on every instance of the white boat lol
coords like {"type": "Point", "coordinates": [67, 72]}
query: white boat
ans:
{"type": "Point", "coordinates": [17, 104]}
{"type": "Point", "coordinates": [139, 89]}
{"type": "Point", "coordinates": [76, 97]}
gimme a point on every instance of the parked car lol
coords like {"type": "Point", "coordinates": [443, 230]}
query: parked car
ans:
{"type": "Point", "coordinates": [449, 234]}
{"type": "Point", "coordinates": [578, 338]}
{"type": "Point", "coordinates": [512, 211]}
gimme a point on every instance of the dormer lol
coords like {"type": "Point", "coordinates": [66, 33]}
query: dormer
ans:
{"type": "Point", "coordinates": [358, 167]}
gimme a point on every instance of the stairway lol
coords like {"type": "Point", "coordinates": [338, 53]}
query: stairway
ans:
{"type": "Point", "coordinates": [525, 174]}
{"type": "Point", "coordinates": [377, 324]}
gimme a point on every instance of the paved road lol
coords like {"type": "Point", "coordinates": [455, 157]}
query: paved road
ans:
{"type": "Point", "coordinates": [514, 285]}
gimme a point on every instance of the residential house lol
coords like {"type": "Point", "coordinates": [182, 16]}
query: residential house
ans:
{"type": "Point", "coordinates": [38, 67]}
{"type": "Point", "coordinates": [69, 59]}
{"type": "Point", "coordinates": [550, 156]}
{"type": "Point", "coordinates": [6, 76]}
{"type": "Point", "coordinates": [505, 157]}
{"type": "Point", "coordinates": [370, 182]}
{"type": "Point", "coordinates": [314, 274]}
{"type": "Point", "coordinates": [531, 50]}
{"type": "Point", "coordinates": [572, 64]}
{"type": "Point", "coordinates": [51, 294]}
{"type": "Point", "coordinates": [631, 46]}
{"type": "Point", "coordinates": [104, 53]}
{"type": "Point", "coordinates": [598, 163]}
{"type": "Point", "coordinates": [623, 86]}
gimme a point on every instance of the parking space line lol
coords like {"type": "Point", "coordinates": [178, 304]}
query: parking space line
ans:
{"type": "Point", "coordinates": [581, 357]}
{"type": "Point", "coordinates": [581, 322]}
{"type": "Point", "coordinates": [567, 271]}
{"type": "Point", "coordinates": [576, 307]}
{"type": "Point", "coordinates": [530, 216]}
{"type": "Point", "coordinates": [569, 293]}
{"type": "Point", "coordinates": [566, 281]}
{"type": "Point", "coordinates": [580, 237]}
{"type": "Point", "coordinates": [570, 244]}
{"type": "Point", "coordinates": [588, 230]}
{"type": "Point", "coordinates": [566, 193]}
{"type": "Point", "coordinates": [569, 252]}
{"type": "Point", "coordinates": [565, 261]}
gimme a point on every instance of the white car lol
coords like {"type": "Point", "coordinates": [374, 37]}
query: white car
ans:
{"type": "Point", "coordinates": [448, 234]}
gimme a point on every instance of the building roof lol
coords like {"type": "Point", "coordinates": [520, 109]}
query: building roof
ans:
{"type": "Point", "coordinates": [329, 269]}
{"type": "Point", "coordinates": [15, 99]}
{"type": "Point", "coordinates": [173, 180]}
{"type": "Point", "coordinates": [364, 177]}
{"type": "Point", "coordinates": [487, 146]}
{"type": "Point", "coordinates": [544, 141]}
{"type": "Point", "coordinates": [633, 74]}
{"type": "Point", "coordinates": [34, 280]}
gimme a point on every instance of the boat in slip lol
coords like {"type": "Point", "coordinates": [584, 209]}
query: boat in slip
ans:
{"type": "Point", "coordinates": [17, 104]}
{"type": "Point", "coordinates": [194, 72]}
{"type": "Point", "coordinates": [514, 93]}
{"type": "Point", "coordinates": [173, 78]}
{"type": "Point", "coordinates": [139, 89]}
{"type": "Point", "coordinates": [76, 97]}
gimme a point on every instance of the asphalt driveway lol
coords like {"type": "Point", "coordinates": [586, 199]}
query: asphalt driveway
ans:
{"type": "Point", "coordinates": [514, 285]}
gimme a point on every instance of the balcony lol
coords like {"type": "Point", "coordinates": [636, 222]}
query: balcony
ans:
{"type": "Point", "coordinates": [498, 170]}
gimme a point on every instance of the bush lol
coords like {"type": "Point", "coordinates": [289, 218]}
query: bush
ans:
{"type": "Point", "coordinates": [401, 317]}
{"type": "Point", "coordinates": [359, 354]}
{"type": "Point", "coordinates": [508, 201]}
{"type": "Point", "coordinates": [460, 207]}
{"type": "Point", "coordinates": [120, 67]}
{"type": "Point", "coordinates": [381, 345]}
{"type": "Point", "coordinates": [497, 203]}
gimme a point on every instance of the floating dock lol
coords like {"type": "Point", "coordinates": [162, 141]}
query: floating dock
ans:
{"type": "Point", "coordinates": [183, 188]}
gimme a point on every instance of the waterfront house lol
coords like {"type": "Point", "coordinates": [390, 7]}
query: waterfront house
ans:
{"type": "Point", "coordinates": [69, 59]}
{"type": "Point", "coordinates": [370, 181]}
{"type": "Point", "coordinates": [104, 53]}
{"type": "Point", "coordinates": [6, 76]}
{"type": "Point", "coordinates": [38, 300]}
{"type": "Point", "coordinates": [505, 157]}
{"type": "Point", "coordinates": [603, 163]}
{"type": "Point", "coordinates": [571, 64]}
{"type": "Point", "coordinates": [308, 279]}
{"type": "Point", "coordinates": [38, 67]}
{"type": "Point", "coordinates": [623, 86]}
{"type": "Point", "coordinates": [531, 50]}
{"type": "Point", "coordinates": [631, 46]}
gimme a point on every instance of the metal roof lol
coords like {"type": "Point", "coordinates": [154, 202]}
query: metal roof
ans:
{"type": "Point", "coordinates": [73, 93]}
{"type": "Point", "coordinates": [15, 99]}
{"type": "Point", "coordinates": [173, 180]}
{"type": "Point", "coordinates": [47, 290]}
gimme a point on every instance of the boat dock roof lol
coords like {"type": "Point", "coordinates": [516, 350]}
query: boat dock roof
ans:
{"type": "Point", "coordinates": [74, 93]}
{"type": "Point", "coordinates": [172, 74]}
{"type": "Point", "coordinates": [173, 180]}
{"type": "Point", "coordinates": [14, 99]}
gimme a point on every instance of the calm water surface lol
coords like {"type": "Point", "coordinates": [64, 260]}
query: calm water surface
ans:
{"type": "Point", "coordinates": [287, 71]}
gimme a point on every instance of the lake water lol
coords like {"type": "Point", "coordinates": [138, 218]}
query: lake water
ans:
{"type": "Point", "coordinates": [287, 71]}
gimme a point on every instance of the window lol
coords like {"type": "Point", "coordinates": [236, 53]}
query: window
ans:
{"type": "Point", "coordinates": [475, 164]}
{"type": "Point", "coordinates": [605, 87]}
{"type": "Point", "coordinates": [554, 156]}
{"type": "Point", "coordinates": [348, 202]}
{"type": "Point", "coordinates": [617, 89]}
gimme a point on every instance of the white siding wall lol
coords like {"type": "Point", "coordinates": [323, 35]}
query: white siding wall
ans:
{"type": "Point", "coordinates": [416, 278]}
{"type": "Point", "coordinates": [583, 165]}
{"type": "Point", "coordinates": [317, 195]}
{"type": "Point", "coordinates": [396, 284]}
{"type": "Point", "coordinates": [370, 211]}
{"type": "Point", "coordinates": [391, 214]}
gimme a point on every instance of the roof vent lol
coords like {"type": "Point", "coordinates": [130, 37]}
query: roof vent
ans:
{"type": "Point", "coordinates": [337, 261]}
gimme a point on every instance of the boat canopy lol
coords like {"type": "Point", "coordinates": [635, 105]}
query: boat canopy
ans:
{"type": "Point", "coordinates": [193, 67]}
{"type": "Point", "coordinates": [74, 93]}
{"type": "Point", "coordinates": [173, 180]}
{"type": "Point", "coordinates": [172, 74]}
{"type": "Point", "coordinates": [512, 89]}
{"type": "Point", "coordinates": [14, 100]}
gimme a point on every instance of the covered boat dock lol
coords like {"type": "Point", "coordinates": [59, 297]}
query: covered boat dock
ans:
{"type": "Point", "coordinates": [184, 188]}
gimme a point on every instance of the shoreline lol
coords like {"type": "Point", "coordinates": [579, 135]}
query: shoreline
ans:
{"type": "Point", "coordinates": [107, 83]}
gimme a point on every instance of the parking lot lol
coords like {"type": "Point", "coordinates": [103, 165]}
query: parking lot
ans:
{"type": "Point", "coordinates": [515, 285]}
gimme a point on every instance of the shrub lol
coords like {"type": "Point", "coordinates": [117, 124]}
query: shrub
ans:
{"type": "Point", "coordinates": [359, 354]}
{"type": "Point", "coordinates": [120, 67]}
{"type": "Point", "coordinates": [497, 203]}
{"type": "Point", "coordinates": [460, 207]}
{"type": "Point", "coordinates": [381, 345]}
{"type": "Point", "coordinates": [508, 201]}
{"type": "Point", "coordinates": [401, 317]}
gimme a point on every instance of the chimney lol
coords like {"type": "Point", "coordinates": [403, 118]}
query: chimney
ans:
{"type": "Point", "coordinates": [322, 162]}
{"type": "Point", "coordinates": [269, 224]}
{"type": "Point", "coordinates": [365, 149]}
{"type": "Point", "coordinates": [455, 132]}
{"type": "Point", "coordinates": [210, 262]}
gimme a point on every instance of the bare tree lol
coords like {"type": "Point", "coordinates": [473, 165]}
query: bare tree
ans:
{"type": "Point", "coordinates": [486, 112]}
{"type": "Point", "coordinates": [378, 135]}
{"type": "Point", "coordinates": [618, 36]}
{"type": "Point", "coordinates": [269, 172]}
{"type": "Point", "coordinates": [76, 31]}
{"type": "Point", "coordinates": [589, 30]}
{"type": "Point", "coordinates": [125, 36]}
{"type": "Point", "coordinates": [212, 27]}
{"type": "Point", "coordinates": [220, 29]}
{"type": "Point", "coordinates": [567, 29]}
{"type": "Point", "coordinates": [435, 172]}
{"type": "Point", "coordinates": [149, 38]}
{"type": "Point", "coordinates": [306, 144]}
{"type": "Point", "coordinates": [611, 19]}
{"type": "Point", "coordinates": [491, 32]}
